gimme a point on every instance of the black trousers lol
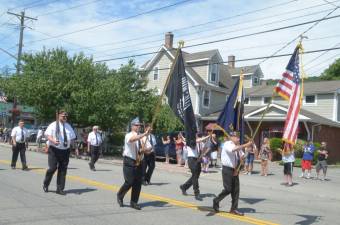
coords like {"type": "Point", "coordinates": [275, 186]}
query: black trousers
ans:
{"type": "Point", "coordinates": [57, 159]}
{"type": "Point", "coordinates": [231, 186]}
{"type": "Point", "coordinates": [95, 152]}
{"type": "Point", "coordinates": [195, 168]}
{"type": "Point", "coordinates": [133, 179]}
{"type": "Point", "coordinates": [148, 166]}
{"type": "Point", "coordinates": [19, 148]}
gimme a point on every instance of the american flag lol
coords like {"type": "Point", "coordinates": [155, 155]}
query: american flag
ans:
{"type": "Point", "coordinates": [289, 88]}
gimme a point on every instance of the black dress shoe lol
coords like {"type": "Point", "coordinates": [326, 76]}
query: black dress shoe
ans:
{"type": "Point", "coordinates": [45, 188]}
{"type": "Point", "coordinates": [216, 206]}
{"type": "Point", "coordinates": [120, 201]}
{"type": "Point", "coordinates": [60, 192]}
{"type": "Point", "coordinates": [184, 192]}
{"type": "Point", "coordinates": [235, 212]}
{"type": "Point", "coordinates": [25, 168]}
{"type": "Point", "coordinates": [135, 206]}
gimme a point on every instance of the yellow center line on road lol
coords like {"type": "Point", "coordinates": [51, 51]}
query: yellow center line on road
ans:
{"type": "Point", "coordinates": [115, 188]}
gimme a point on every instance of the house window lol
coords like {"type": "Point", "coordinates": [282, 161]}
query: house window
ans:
{"type": "Point", "coordinates": [256, 80]}
{"type": "Point", "coordinates": [246, 101]}
{"type": "Point", "coordinates": [206, 98]}
{"type": "Point", "coordinates": [267, 100]}
{"type": "Point", "coordinates": [155, 73]}
{"type": "Point", "coordinates": [310, 99]}
{"type": "Point", "coordinates": [214, 73]}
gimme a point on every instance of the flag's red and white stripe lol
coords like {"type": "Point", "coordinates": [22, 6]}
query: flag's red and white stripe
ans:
{"type": "Point", "coordinates": [285, 86]}
{"type": "Point", "coordinates": [292, 121]}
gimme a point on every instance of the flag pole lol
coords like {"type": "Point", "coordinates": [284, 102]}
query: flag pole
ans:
{"type": "Point", "coordinates": [159, 103]}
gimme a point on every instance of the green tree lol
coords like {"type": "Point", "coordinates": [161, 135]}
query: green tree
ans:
{"type": "Point", "coordinates": [332, 72]}
{"type": "Point", "coordinates": [93, 94]}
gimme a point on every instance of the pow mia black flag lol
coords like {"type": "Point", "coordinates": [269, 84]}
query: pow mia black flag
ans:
{"type": "Point", "coordinates": [179, 100]}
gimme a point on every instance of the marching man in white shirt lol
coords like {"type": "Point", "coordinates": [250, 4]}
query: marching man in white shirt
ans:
{"type": "Point", "coordinates": [59, 135]}
{"type": "Point", "coordinates": [230, 157]}
{"type": "Point", "coordinates": [132, 168]}
{"type": "Point", "coordinates": [149, 156]}
{"type": "Point", "coordinates": [94, 140]}
{"type": "Point", "coordinates": [19, 144]}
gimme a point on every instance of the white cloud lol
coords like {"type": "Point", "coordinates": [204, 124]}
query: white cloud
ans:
{"type": "Point", "coordinates": [188, 14]}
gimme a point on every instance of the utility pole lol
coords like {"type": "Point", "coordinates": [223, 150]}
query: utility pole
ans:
{"type": "Point", "coordinates": [22, 19]}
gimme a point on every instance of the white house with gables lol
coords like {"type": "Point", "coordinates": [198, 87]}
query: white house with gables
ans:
{"type": "Point", "coordinates": [210, 81]}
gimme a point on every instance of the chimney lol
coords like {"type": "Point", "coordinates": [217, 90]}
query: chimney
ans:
{"type": "Point", "coordinates": [231, 61]}
{"type": "Point", "coordinates": [169, 40]}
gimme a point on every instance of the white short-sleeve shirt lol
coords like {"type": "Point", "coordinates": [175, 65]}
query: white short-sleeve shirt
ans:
{"type": "Point", "coordinates": [228, 157]}
{"type": "Point", "coordinates": [130, 148]}
{"type": "Point", "coordinates": [51, 131]}
{"type": "Point", "coordinates": [16, 132]}
{"type": "Point", "coordinates": [191, 152]}
{"type": "Point", "coordinates": [150, 142]}
{"type": "Point", "coordinates": [92, 139]}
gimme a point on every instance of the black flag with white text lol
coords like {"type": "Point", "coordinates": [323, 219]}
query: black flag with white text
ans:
{"type": "Point", "coordinates": [180, 102]}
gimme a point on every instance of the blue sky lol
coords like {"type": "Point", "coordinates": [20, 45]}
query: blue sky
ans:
{"type": "Point", "coordinates": [112, 40]}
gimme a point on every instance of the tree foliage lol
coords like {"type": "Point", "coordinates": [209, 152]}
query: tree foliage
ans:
{"type": "Point", "coordinates": [332, 72]}
{"type": "Point", "coordinates": [89, 91]}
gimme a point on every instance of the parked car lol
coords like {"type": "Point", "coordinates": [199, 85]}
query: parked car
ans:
{"type": "Point", "coordinates": [32, 134]}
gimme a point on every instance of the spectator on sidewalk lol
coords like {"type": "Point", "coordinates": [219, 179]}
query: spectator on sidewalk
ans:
{"type": "Point", "coordinates": [166, 144]}
{"type": "Point", "coordinates": [322, 161]}
{"type": "Point", "coordinates": [249, 161]}
{"type": "Point", "coordinates": [307, 158]}
{"type": "Point", "coordinates": [265, 156]}
{"type": "Point", "coordinates": [179, 148]}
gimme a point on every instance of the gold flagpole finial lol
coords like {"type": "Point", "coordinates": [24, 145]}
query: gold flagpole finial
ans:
{"type": "Point", "coordinates": [181, 44]}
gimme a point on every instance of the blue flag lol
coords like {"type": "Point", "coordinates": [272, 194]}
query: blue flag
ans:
{"type": "Point", "coordinates": [232, 116]}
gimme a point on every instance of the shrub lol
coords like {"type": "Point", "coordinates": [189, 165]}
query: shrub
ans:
{"type": "Point", "coordinates": [275, 144]}
{"type": "Point", "coordinates": [298, 148]}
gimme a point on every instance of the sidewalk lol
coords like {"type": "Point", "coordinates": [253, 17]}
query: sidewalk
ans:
{"type": "Point", "coordinates": [116, 160]}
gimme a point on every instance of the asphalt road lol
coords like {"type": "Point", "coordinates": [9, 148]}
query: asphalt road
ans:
{"type": "Point", "coordinates": [91, 197]}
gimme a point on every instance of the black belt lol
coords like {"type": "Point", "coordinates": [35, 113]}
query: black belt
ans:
{"type": "Point", "coordinates": [228, 167]}
{"type": "Point", "coordinates": [191, 157]}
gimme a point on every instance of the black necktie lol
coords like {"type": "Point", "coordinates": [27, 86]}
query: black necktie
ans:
{"type": "Point", "coordinates": [22, 135]}
{"type": "Point", "coordinates": [65, 136]}
{"type": "Point", "coordinates": [237, 159]}
{"type": "Point", "coordinates": [96, 138]}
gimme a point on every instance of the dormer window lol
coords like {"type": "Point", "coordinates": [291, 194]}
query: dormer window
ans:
{"type": "Point", "coordinates": [206, 99]}
{"type": "Point", "coordinates": [155, 73]}
{"type": "Point", "coordinates": [214, 73]}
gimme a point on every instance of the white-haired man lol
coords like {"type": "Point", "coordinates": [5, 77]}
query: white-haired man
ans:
{"type": "Point", "coordinates": [94, 140]}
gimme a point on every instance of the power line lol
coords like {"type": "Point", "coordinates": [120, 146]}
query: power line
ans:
{"type": "Point", "coordinates": [323, 61]}
{"type": "Point", "coordinates": [304, 32]}
{"type": "Point", "coordinates": [7, 36]}
{"type": "Point", "coordinates": [319, 56]}
{"type": "Point", "coordinates": [69, 8]}
{"type": "Point", "coordinates": [226, 39]}
{"type": "Point", "coordinates": [26, 5]}
{"type": "Point", "coordinates": [202, 24]}
{"type": "Point", "coordinates": [252, 59]}
{"type": "Point", "coordinates": [201, 37]}
{"type": "Point", "coordinates": [114, 21]}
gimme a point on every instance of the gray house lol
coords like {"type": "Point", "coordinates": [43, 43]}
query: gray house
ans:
{"type": "Point", "coordinates": [210, 81]}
